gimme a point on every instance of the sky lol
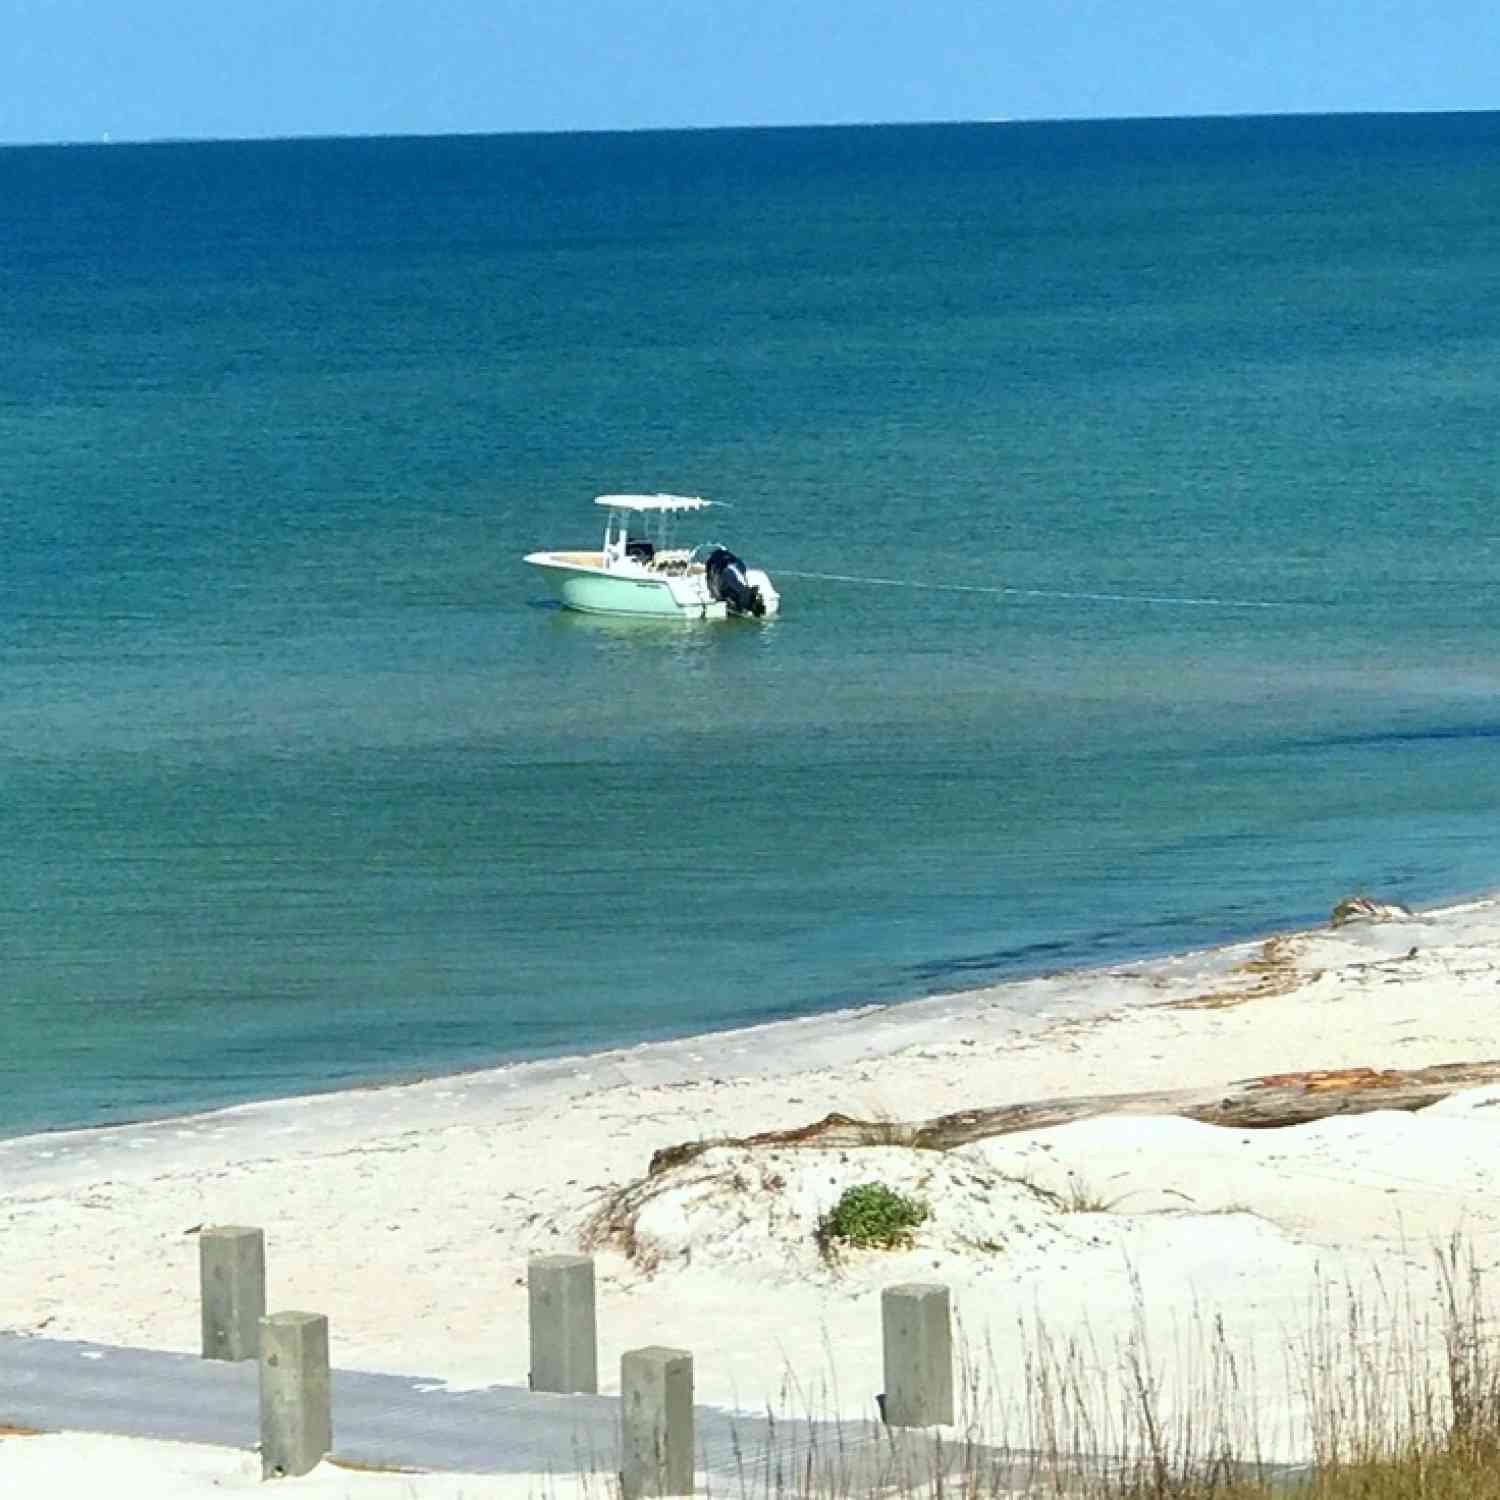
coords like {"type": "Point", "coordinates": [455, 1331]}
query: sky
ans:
{"type": "Point", "coordinates": [86, 70]}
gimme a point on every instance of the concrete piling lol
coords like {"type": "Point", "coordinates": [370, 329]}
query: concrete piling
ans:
{"type": "Point", "coordinates": [296, 1407]}
{"type": "Point", "coordinates": [564, 1342]}
{"type": "Point", "coordinates": [232, 1280]}
{"type": "Point", "coordinates": [918, 1340]}
{"type": "Point", "coordinates": [656, 1422]}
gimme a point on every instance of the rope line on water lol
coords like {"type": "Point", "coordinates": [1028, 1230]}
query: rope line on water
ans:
{"type": "Point", "coordinates": [981, 588]}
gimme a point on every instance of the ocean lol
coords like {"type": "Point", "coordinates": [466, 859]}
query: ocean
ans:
{"type": "Point", "coordinates": [1150, 468]}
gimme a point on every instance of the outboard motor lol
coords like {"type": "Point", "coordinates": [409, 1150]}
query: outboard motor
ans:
{"type": "Point", "coordinates": [725, 575]}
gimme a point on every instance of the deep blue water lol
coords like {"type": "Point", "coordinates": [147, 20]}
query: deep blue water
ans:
{"type": "Point", "coordinates": [304, 783]}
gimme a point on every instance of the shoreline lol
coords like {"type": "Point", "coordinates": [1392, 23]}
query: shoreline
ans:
{"type": "Point", "coordinates": [781, 1048]}
{"type": "Point", "coordinates": [407, 1213]}
{"type": "Point", "coordinates": [833, 1016]}
{"type": "Point", "coordinates": [676, 1056]}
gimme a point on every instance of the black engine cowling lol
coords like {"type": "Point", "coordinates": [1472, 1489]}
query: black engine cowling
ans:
{"type": "Point", "coordinates": [725, 575]}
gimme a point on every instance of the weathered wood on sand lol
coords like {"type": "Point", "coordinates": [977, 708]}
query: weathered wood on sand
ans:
{"type": "Point", "coordinates": [1264, 1103]}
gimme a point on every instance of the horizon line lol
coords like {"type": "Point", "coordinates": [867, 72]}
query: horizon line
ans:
{"type": "Point", "coordinates": [106, 138]}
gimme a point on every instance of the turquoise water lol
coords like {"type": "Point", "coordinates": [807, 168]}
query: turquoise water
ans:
{"type": "Point", "coordinates": [305, 783]}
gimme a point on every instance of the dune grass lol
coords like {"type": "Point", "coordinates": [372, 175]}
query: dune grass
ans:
{"type": "Point", "coordinates": [1398, 1403]}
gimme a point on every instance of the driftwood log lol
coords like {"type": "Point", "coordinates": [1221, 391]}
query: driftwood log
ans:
{"type": "Point", "coordinates": [1264, 1103]}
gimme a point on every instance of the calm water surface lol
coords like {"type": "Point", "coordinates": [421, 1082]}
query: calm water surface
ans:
{"type": "Point", "coordinates": [304, 782]}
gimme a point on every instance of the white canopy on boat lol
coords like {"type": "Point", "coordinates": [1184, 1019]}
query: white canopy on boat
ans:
{"type": "Point", "coordinates": [653, 502]}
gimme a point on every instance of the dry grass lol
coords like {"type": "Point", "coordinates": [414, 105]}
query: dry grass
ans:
{"type": "Point", "coordinates": [1395, 1409]}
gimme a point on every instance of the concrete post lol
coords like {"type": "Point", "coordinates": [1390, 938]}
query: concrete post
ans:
{"type": "Point", "coordinates": [656, 1422]}
{"type": "Point", "coordinates": [918, 1337]}
{"type": "Point", "coordinates": [296, 1408]}
{"type": "Point", "coordinates": [232, 1278]}
{"type": "Point", "coordinates": [564, 1345]}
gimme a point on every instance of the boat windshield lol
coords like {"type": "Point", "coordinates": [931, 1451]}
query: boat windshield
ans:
{"type": "Point", "coordinates": [631, 534]}
{"type": "Point", "coordinates": [646, 532]}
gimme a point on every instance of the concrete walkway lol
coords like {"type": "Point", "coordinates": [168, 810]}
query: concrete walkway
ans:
{"type": "Point", "coordinates": [404, 1422]}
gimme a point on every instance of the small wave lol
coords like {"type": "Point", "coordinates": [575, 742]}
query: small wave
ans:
{"type": "Point", "coordinates": [1435, 734]}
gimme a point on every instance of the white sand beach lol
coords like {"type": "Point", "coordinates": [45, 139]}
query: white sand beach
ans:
{"type": "Point", "coordinates": [407, 1214]}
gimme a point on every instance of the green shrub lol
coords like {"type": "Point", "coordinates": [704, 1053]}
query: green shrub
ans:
{"type": "Point", "coordinates": [870, 1216]}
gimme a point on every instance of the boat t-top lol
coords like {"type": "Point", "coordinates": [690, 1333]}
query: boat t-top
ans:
{"type": "Point", "coordinates": [637, 570]}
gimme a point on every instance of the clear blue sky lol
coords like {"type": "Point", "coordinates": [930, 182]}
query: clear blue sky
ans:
{"type": "Point", "coordinates": [138, 69]}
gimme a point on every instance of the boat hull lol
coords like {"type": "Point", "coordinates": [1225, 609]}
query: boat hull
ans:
{"type": "Point", "coordinates": [597, 591]}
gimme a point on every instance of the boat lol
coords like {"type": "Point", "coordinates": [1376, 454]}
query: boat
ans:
{"type": "Point", "coordinates": [637, 570]}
